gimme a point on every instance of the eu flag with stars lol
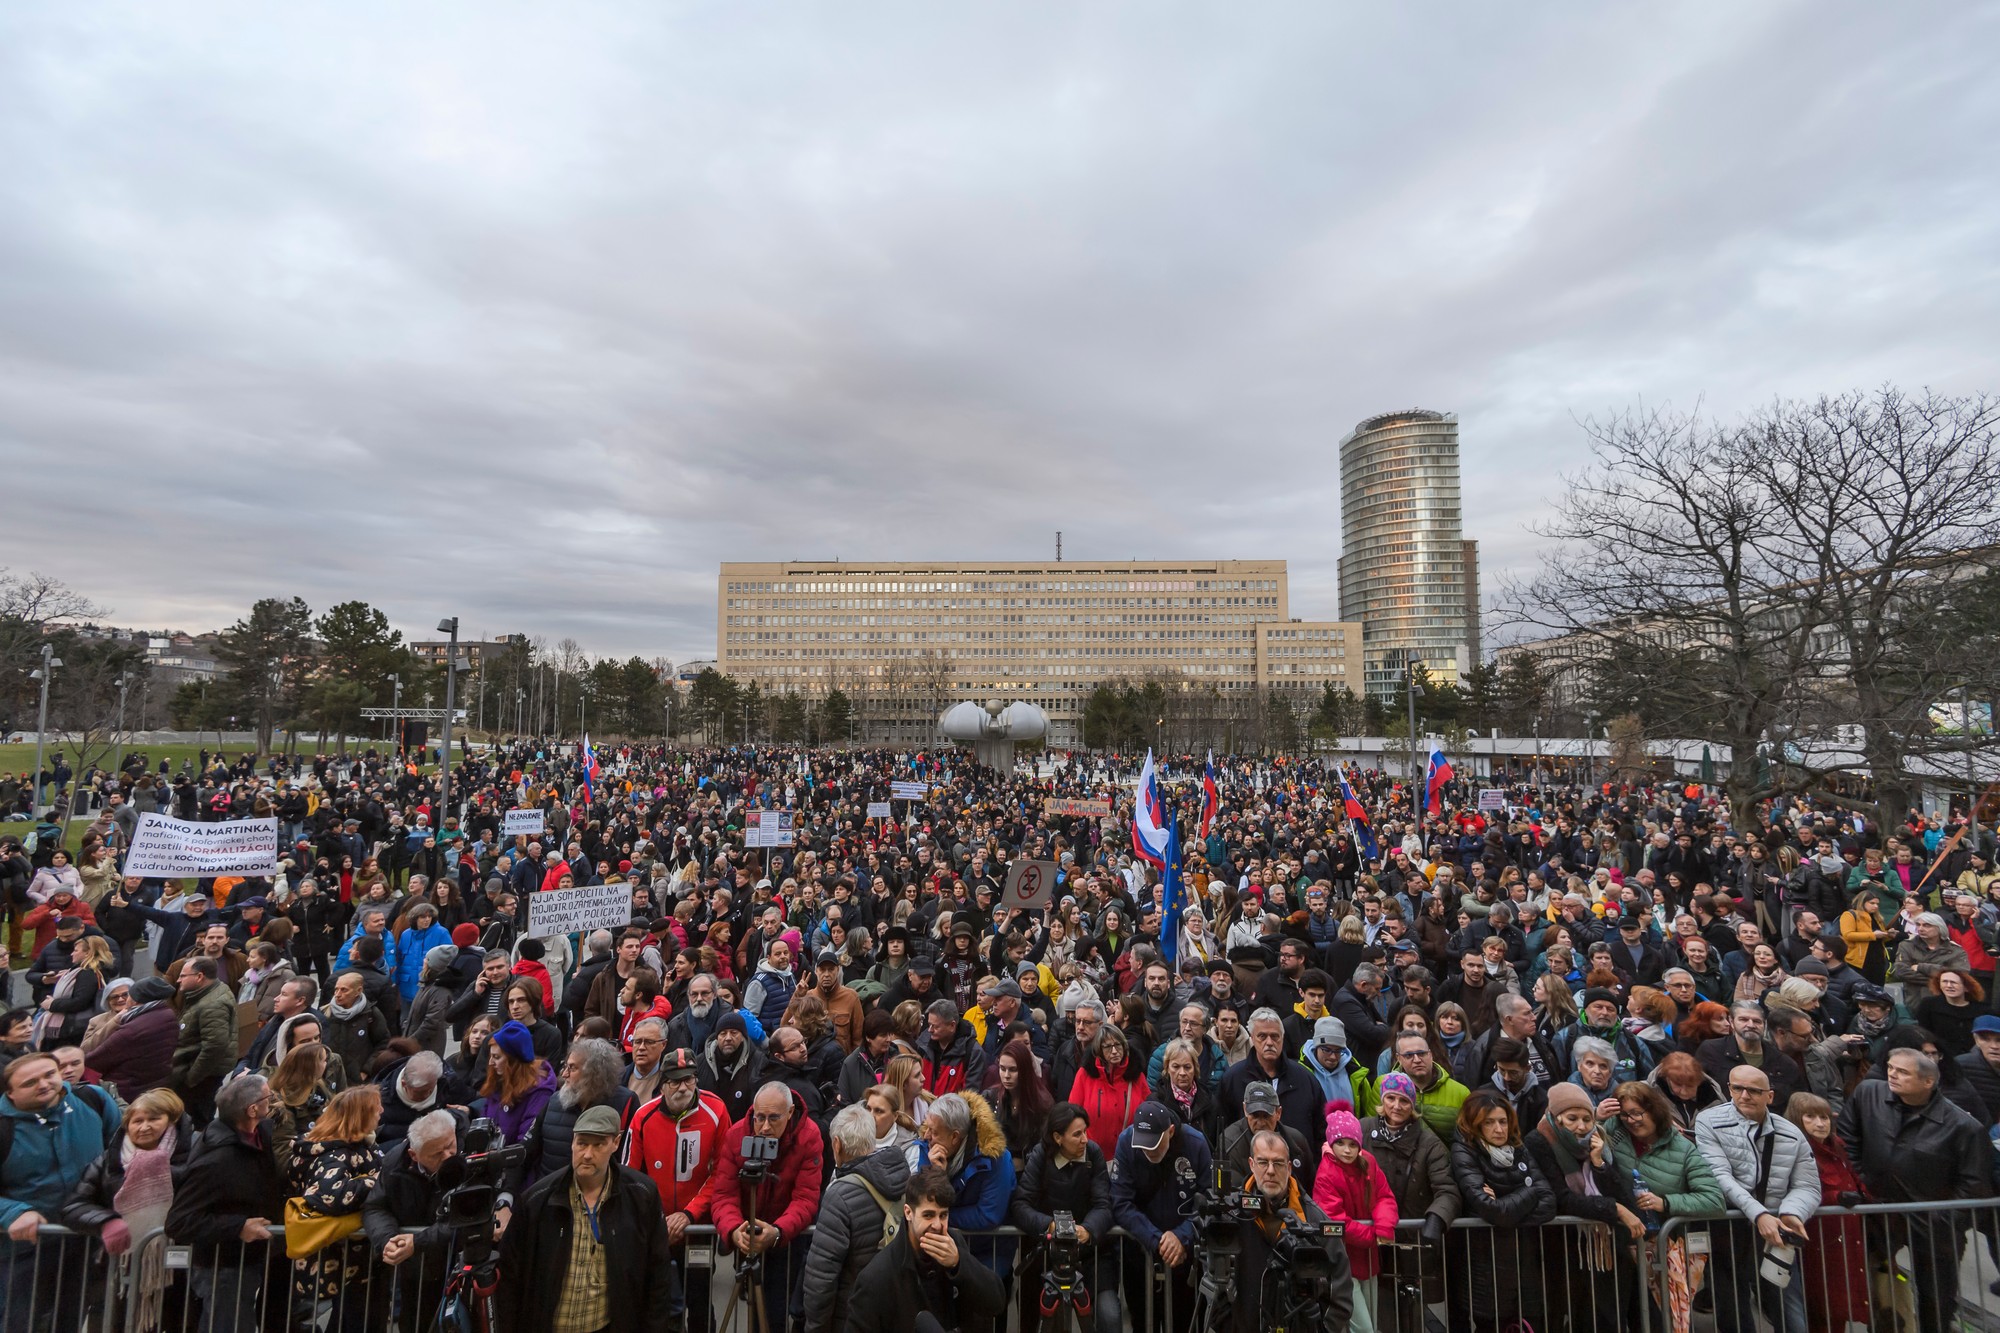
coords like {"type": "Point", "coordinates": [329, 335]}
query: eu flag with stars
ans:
{"type": "Point", "coordinates": [1170, 915]}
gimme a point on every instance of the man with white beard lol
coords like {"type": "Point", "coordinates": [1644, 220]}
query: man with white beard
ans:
{"type": "Point", "coordinates": [675, 1139]}
{"type": "Point", "coordinates": [696, 1022]}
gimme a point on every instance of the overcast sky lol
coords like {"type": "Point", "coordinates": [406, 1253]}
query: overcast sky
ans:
{"type": "Point", "coordinates": [534, 313]}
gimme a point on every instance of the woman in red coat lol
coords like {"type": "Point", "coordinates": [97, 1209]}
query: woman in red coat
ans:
{"type": "Point", "coordinates": [1836, 1266]}
{"type": "Point", "coordinates": [1110, 1088]}
{"type": "Point", "coordinates": [1352, 1188]}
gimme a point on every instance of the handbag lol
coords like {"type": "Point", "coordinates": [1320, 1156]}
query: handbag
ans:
{"type": "Point", "coordinates": [308, 1231]}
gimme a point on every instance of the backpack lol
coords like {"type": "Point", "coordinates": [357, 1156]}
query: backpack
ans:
{"type": "Point", "coordinates": [892, 1216]}
{"type": "Point", "coordinates": [105, 1102]}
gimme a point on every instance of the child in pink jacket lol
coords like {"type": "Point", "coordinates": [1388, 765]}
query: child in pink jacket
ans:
{"type": "Point", "coordinates": [1352, 1189]}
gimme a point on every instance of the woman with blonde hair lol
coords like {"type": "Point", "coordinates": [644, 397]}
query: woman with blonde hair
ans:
{"type": "Point", "coordinates": [73, 999]}
{"type": "Point", "coordinates": [893, 1126]}
{"type": "Point", "coordinates": [905, 1073]}
{"type": "Point", "coordinates": [332, 1171]}
{"type": "Point", "coordinates": [300, 1094]}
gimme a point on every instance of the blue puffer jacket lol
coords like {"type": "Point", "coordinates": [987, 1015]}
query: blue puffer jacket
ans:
{"type": "Point", "coordinates": [769, 994]}
{"type": "Point", "coordinates": [985, 1183]}
{"type": "Point", "coordinates": [341, 960]}
{"type": "Point", "coordinates": [51, 1150]}
{"type": "Point", "coordinates": [411, 946]}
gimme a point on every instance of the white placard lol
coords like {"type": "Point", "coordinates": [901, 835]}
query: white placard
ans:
{"type": "Point", "coordinates": [567, 911]}
{"type": "Point", "coordinates": [880, 810]}
{"type": "Point", "coordinates": [909, 791]}
{"type": "Point", "coordinates": [526, 823]}
{"type": "Point", "coordinates": [177, 848]}
{"type": "Point", "coordinates": [768, 828]}
{"type": "Point", "coordinates": [1030, 885]}
{"type": "Point", "coordinates": [1492, 798]}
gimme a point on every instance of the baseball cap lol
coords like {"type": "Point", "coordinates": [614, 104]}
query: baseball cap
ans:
{"type": "Point", "coordinates": [1260, 1097]}
{"type": "Point", "coordinates": [1008, 987]}
{"type": "Point", "coordinates": [827, 956]}
{"type": "Point", "coordinates": [678, 1064]}
{"type": "Point", "coordinates": [597, 1122]}
{"type": "Point", "coordinates": [1986, 1023]}
{"type": "Point", "coordinates": [922, 967]}
{"type": "Point", "coordinates": [1151, 1126]}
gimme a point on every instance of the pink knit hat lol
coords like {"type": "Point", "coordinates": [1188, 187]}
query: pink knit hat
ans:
{"type": "Point", "coordinates": [1341, 1124]}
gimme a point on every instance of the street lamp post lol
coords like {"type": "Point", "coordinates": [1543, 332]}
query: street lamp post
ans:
{"type": "Point", "coordinates": [118, 759]}
{"type": "Point", "coordinates": [1410, 665]}
{"type": "Point", "coordinates": [449, 627]}
{"type": "Point", "coordinates": [395, 715]}
{"type": "Point", "coordinates": [49, 663]}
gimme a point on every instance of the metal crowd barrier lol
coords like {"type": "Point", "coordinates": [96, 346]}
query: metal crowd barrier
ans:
{"type": "Point", "coordinates": [1890, 1268]}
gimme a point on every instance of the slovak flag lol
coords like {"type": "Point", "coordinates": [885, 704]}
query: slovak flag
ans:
{"type": "Point", "coordinates": [1149, 818]}
{"type": "Point", "coordinates": [589, 771]}
{"type": "Point", "coordinates": [1436, 773]}
{"type": "Point", "coordinates": [1357, 817]}
{"type": "Point", "coordinates": [1211, 798]}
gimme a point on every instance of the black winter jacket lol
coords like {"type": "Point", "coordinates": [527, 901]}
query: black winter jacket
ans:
{"type": "Point", "coordinates": [899, 1283]}
{"type": "Point", "coordinates": [224, 1183]}
{"type": "Point", "coordinates": [536, 1247]}
{"type": "Point", "coordinates": [1047, 1187]}
{"type": "Point", "coordinates": [89, 1206]}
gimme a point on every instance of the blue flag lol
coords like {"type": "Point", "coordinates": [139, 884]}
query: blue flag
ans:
{"type": "Point", "coordinates": [1170, 915]}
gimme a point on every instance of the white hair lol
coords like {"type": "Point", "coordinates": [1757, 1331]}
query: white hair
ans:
{"type": "Point", "coordinates": [432, 1128]}
{"type": "Point", "coordinates": [853, 1133]}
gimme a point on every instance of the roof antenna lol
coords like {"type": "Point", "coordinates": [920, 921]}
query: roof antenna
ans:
{"type": "Point", "coordinates": [1058, 545]}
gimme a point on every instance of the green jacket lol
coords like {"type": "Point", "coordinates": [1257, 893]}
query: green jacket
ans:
{"type": "Point", "coordinates": [1674, 1169]}
{"type": "Point", "coordinates": [207, 1045]}
{"type": "Point", "coordinates": [1437, 1105]}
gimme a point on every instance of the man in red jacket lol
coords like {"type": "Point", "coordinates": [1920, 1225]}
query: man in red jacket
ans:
{"type": "Point", "coordinates": [784, 1201]}
{"type": "Point", "coordinates": [674, 1139]}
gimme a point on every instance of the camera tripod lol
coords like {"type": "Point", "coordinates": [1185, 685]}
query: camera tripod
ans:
{"type": "Point", "coordinates": [747, 1288]}
{"type": "Point", "coordinates": [1215, 1299]}
{"type": "Point", "coordinates": [1064, 1302]}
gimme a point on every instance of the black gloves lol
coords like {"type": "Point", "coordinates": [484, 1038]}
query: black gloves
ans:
{"type": "Point", "coordinates": [1433, 1228]}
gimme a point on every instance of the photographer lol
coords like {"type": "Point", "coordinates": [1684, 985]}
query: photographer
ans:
{"type": "Point", "coordinates": [674, 1139]}
{"type": "Point", "coordinates": [1274, 1267]}
{"type": "Point", "coordinates": [588, 1247]}
{"type": "Point", "coordinates": [781, 1194]}
{"type": "Point", "coordinates": [1161, 1167]}
{"type": "Point", "coordinates": [1066, 1173]}
{"type": "Point", "coordinates": [406, 1196]}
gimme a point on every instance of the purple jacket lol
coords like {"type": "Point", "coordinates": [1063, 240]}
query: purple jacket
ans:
{"type": "Point", "coordinates": [139, 1054]}
{"type": "Point", "coordinates": [514, 1124]}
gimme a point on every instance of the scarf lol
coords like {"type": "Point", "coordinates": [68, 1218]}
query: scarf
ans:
{"type": "Point", "coordinates": [1394, 1134]}
{"type": "Point", "coordinates": [142, 1200]}
{"type": "Point", "coordinates": [1503, 1157]}
{"type": "Point", "coordinates": [346, 1012]}
{"type": "Point", "coordinates": [1572, 1156]}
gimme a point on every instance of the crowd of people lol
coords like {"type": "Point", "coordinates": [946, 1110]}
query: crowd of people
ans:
{"type": "Point", "coordinates": [844, 1080]}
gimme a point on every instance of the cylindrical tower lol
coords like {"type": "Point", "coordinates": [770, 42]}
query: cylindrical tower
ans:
{"type": "Point", "coordinates": [1402, 564]}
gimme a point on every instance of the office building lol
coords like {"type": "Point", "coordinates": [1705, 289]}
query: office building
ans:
{"type": "Point", "coordinates": [907, 640]}
{"type": "Point", "coordinates": [1406, 572]}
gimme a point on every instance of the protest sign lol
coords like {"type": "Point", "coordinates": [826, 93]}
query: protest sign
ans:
{"type": "Point", "coordinates": [176, 848]}
{"type": "Point", "coordinates": [1492, 798]}
{"type": "Point", "coordinates": [880, 810]}
{"type": "Point", "coordinates": [1029, 885]}
{"type": "Point", "coordinates": [768, 828]}
{"type": "Point", "coordinates": [524, 823]}
{"type": "Point", "coordinates": [1067, 805]}
{"type": "Point", "coordinates": [567, 911]}
{"type": "Point", "coordinates": [909, 791]}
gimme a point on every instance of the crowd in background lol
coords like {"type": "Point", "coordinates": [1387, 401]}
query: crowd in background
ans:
{"type": "Point", "coordinates": [1600, 1003]}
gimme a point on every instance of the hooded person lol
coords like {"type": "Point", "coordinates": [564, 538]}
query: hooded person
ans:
{"type": "Point", "coordinates": [1326, 1058]}
{"type": "Point", "coordinates": [732, 1067]}
{"type": "Point", "coordinates": [529, 954]}
{"type": "Point", "coordinates": [424, 1020]}
{"type": "Point", "coordinates": [137, 1054]}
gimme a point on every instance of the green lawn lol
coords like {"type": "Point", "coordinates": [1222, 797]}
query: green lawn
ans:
{"type": "Point", "coordinates": [21, 758]}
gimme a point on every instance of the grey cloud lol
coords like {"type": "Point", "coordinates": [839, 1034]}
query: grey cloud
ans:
{"type": "Point", "coordinates": [536, 316]}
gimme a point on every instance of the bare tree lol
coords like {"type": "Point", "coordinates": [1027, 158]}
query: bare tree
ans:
{"type": "Point", "coordinates": [1894, 499]}
{"type": "Point", "coordinates": [1675, 545]}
